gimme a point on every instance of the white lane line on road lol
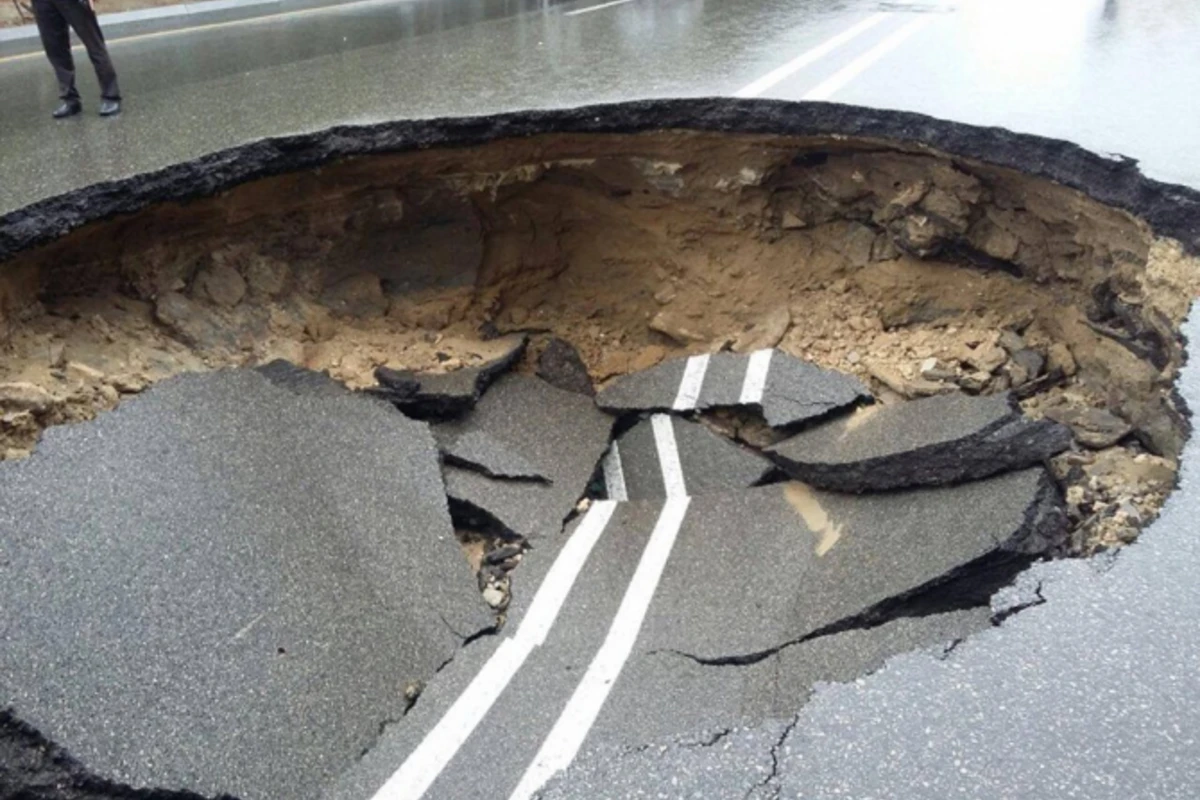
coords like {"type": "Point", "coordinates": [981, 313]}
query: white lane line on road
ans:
{"type": "Point", "coordinates": [803, 60]}
{"type": "Point", "coordinates": [755, 382]}
{"type": "Point", "coordinates": [614, 475]}
{"type": "Point", "coordinates": [426, 762]}
{"type": "Point", "coordinates": [568, 733]}
{"type": "Point", "coordinates": [693, 381]}
{"type": "Point", "coordinates": [828, 87]}
{"type": "Point", "coordinates": [668, 455]}
{"type": "Point", "coordinates": [600, 7]}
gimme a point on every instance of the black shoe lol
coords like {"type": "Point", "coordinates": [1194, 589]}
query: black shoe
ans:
{"type": "Point", "coordinates": [69, 108]}
{"type": "Point", "coordinates": [110, 108]}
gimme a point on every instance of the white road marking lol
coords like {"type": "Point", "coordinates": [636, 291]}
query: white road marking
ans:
{"type": "Point", "coordinates": [755, 382]}
{"type": "Point", "coordinates": [668, 455]}
{"type": "Point", "coordinates": [828, 87]}
{"type": "Point", "coordinates": [426, 762]}
{"type": "Point", "coordinates": [590, 9]}
{"type": "Point", "coordinates": [693, 381]}
{"type": "Point", "coordinates": [568, 733]}
{"type": "Point", "coordinates": [614, 475]}
{"type": "Point", "coordinates": [801, 61]}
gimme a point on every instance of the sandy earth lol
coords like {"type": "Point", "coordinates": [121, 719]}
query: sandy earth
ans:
{"type": "Point", "coordinates": [919, 274]}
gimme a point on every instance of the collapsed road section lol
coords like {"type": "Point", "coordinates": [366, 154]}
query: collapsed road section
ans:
{"type": "Point", "coordinates": [370, 450]}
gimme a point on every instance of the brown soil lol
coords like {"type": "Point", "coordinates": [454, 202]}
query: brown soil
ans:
{"type": "Point", "coordinates": [919, 273]}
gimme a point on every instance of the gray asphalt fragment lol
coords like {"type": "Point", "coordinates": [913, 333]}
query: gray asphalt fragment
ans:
{"type": "Point", "coordinates": [560, 432]}
{"type": "Point", "coordinates": [927, 442]}
{"type": "Point", "coordinates": [710, 462]}
{"type": "Point", "coordinates": [287, 375]}
{"type": "Point", "coordinates": [476, 449]}
{"type": "Point", "coordinates": [451, 394]}
{"type": "Point", "coordinates": [793, 390]}
{"type": "Point", "coordinates": [805, 561]}
{"type": "Point", "coordinates": [224, 586]}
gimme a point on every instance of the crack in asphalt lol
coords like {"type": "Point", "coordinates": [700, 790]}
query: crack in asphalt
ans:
{"type": "Point", "coordinates": [769, 782]}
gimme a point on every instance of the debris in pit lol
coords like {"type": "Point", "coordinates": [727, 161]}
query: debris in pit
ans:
{"type": "Point", "coordinates": [560, 365]}
{"type": "Point", "coordinates": [447, 395]}
{"type": "Point", "coordinates": [1094, 428]}
{"type": "Point", "coordinates": [561, 433]}
{"type": "Point", "coordinates": [633, 467]}
{"type": "Point", "coordinates": [1111, 494]}
{"type": "Point", "coordinates": [932, 441]}
{"type": "Point", "coordinates": [785, 389]}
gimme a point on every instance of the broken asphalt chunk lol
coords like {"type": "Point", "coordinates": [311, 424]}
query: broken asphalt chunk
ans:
{"type": "Point", "coordinates": [785, 389]}
{"type": "Point", "coordinates": [927, 442]}
{"type": "Point", "coordinates": [224, 585]}
{"type": "Point", "coordinates": [475, 448]}
{"type": "Point", "coordinates": [448, 395]}
{"type": "Point", "coordinates": [561, 433]}
{"type": "Point", "coordinates": [560, 365]}
{"type": "Point", "coordinates": [808, 562]}
{"type": "Point", "coordinates": [700, 462]}
{"type": "Point", "coordinates": [287, 375]}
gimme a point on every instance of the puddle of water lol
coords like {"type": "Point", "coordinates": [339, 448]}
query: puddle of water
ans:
{"type": "Point", "coordinates": [805, 502]}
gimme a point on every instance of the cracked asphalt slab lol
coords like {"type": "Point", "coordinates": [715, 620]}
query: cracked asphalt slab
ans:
{"type": "Point", "coordinates": [559, 431]}
{"type": "Point", "coordinates": [222, 571]}
{"type": "Point", "coordinates": [783, 388]}
{"type": "Point", "coordinates": [633, 469]}
{"type": "Point", "coordinates": [929, 441]}
{"type": "Point", "coordinates": [1087, 692]}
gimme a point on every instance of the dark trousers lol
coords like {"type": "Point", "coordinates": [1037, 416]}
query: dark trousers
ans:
{"type": "Point", "coordinates": [53, 19]}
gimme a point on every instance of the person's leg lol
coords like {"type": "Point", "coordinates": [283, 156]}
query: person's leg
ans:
{"type": "Point", "coordinates": [83, 19]}
{"type": "Point", "coordinates": [56, 40]}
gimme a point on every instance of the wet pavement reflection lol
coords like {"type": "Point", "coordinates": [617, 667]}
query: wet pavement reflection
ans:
{"type": "Point", "coordinates": [1113, 75]}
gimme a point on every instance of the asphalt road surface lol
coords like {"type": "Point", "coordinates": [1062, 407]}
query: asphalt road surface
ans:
{"type": "Point", "coordinates": [1113, 75]}
{"type": "Point", "coordinates": [1087, 694]}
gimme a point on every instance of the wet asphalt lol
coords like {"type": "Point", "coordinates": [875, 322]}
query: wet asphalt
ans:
{"type": "Point", "coordinates": [1113, 75]}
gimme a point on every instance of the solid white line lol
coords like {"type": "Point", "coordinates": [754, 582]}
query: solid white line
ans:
{"type": "Point", "coordinates": [828, 87]}
{"type": "Point", "coordinates": [614, 475]}
{"type": "Point", "coordinates": [568, 733]}
{"type": "Point", "coordinates": [596, 8]}
{"type": "Point", "coordinates": [668, 455]}
{"type": "Point", "coordinates": [693, 380]}
{"type": "Point", "coordinates": [800, 62]}
{"type": "Point", "coordinates": [426, 762]}
{"type": "Point", "coordinates": [755, 382]}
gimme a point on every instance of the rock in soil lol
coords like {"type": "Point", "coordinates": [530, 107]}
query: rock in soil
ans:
{"type": "Point", "coordinates": [1093, 427]}
{"type": "Point", "coordinates": [937, 440]}
{"type": "Point", "coordinates": [560, 365]}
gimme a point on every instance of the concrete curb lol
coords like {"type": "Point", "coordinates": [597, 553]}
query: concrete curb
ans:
{"type": "Point", "coordinates": [23, 39]}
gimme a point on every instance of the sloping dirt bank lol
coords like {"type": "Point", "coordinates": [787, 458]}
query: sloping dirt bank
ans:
{"type": "Point", "coordinates": [909, 251]}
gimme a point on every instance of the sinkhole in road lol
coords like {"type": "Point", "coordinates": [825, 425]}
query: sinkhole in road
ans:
{"type": "Point", "coordinates": [857, 318]}
{"type": "Point", "coordinates": [918, 272]}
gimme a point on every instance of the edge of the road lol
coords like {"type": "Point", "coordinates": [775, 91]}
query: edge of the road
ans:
{"type": "Point", "coordinates": [23, 39]}
{"type": "Point", "coordinates": [1171, 210]}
